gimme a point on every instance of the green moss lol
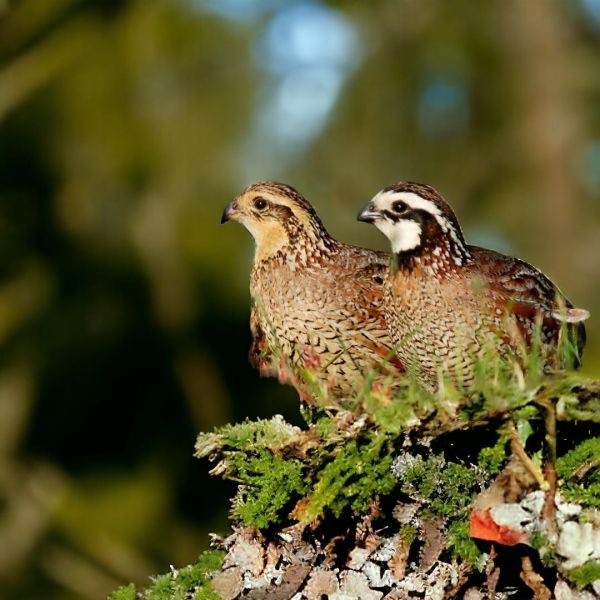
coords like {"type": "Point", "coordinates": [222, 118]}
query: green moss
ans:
{"type": "Point", "coordinates": [126, 592]}
{"type": "Point", "coordinates": [526, 413]}
{"type": "Point", "coordinates": [412, 404]}
{"type": "Point", "coordinates": [458, 485]}
{"type": "Point", "coordinates": [249, 435]}
{"type": "Point", "coordinates": [539, 541]}
{"type": "Point", "coordinates": [577, 399]}
{"type": "Point", "coordinates": [343, 465]}
{"type": "Point", "coordinates": [447, 487]}
{"type": "Point", "coordinates": [579, 471]}
{"type": "Point", "coordinates": [196, 575]}
{"type": "Point", "coordinates": [342, 460]}
{"type": "Point", "coordinates": [408, 533]}
{"type": "Point", "coordinates": [191, 582]}
{"type": "Point", "coordinates": [588, 451]}
{"type": "Point", "coordinates": [325, 427]}
{"type": "Point", "coordinates": [586, 495]}
{"type": "Point", "coordinates": [164, 587]}
{"type": "Point", "coordinates": [353, 478]}
{"type": "Point", "coordinates": [492, 459]}
{"type": "Point", "coordinates": [270, 482]}
{"type": "Point", "coordinates": [585, 574]}
{"type": "Point", "coordinates": [461, 545]}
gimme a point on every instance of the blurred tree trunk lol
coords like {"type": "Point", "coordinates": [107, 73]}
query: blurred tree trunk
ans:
{"type": "Point", "coordinates": [547, 127]}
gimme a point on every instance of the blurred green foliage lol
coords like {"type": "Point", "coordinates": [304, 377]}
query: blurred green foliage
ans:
{"type": "Point", "coordinates": [126, 126]}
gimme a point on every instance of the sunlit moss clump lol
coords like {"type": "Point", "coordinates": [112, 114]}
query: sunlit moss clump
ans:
{"type": "Point", "coordinates": [579, 471]}
{"type": "Point", "coordinates": [411, 491]}
{"type": "Point", "coordinates": [586, 574]}
{"type": "Point", "coordinates": [192, 581]}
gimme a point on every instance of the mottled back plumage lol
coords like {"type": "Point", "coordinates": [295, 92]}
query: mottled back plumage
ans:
{"type": "Point", "coordinates": [316, 302]}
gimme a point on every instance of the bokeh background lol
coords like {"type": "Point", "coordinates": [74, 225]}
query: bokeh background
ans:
{"type": "Point", "coordinates": [127, 125]}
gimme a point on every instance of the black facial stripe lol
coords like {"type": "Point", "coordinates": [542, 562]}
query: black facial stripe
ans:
{"type": "Point", "coordinates": [422, 217]}
{"type": "Point", "coordinates": [412, 215]}
{"type": "Point", "coordinates": [282, 212]}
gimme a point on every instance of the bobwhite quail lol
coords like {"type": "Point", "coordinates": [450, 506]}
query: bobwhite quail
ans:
{"type": "Point", "coordinates": [447, 302]}
{"type": "Point", "coordinates": [316, 302]}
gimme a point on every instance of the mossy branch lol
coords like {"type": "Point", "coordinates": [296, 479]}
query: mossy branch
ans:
{"type": "Point", "coordinates": [416, 492]}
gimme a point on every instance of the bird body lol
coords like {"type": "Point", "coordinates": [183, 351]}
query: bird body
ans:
{"type": "Point", "coordinates": [448, 303]}
{"type": "Point", "coordinates": [316, 302]}
{"type": "Point", "coordinates": [434, 322]}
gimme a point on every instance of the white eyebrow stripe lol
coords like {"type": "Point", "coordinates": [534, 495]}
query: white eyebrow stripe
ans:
{"type": "Point", "coordinates": [413, 200]}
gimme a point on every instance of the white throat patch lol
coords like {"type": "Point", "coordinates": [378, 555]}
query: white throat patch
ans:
{"type": "Point", "coordinates": [404, 235]}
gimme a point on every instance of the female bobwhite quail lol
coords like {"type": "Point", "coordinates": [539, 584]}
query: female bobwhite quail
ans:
{"type": "Point", "coordinates": [447, 302]}
{"type": "Point", "coordinates": [316, 302]}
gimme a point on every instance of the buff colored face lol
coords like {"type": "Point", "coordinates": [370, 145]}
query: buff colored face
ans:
{"type": "Point", "coordinates": [266, 214]}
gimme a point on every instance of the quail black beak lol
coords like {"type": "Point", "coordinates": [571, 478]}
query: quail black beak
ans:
{"type": "Point", "coordinates": [229, 212]}
{"type": "Point", "coordinates": [369, 214]}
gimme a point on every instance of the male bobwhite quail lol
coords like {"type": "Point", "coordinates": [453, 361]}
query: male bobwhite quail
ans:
{"type": "Point", "coordinates": [316, 302]}
{"type": "Point", "coordinates": [447, 302]}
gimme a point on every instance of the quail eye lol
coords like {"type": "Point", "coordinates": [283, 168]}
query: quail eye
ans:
{"type": "Point", "coordinates": [260, 203]}
{"type": "Point", "coordinates": [399, 206]}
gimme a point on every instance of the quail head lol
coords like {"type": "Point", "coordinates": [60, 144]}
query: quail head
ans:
{"type": "Point", "coordinates": [447, 303]}
{"type": "Point", "coordinates": [317, 315]}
